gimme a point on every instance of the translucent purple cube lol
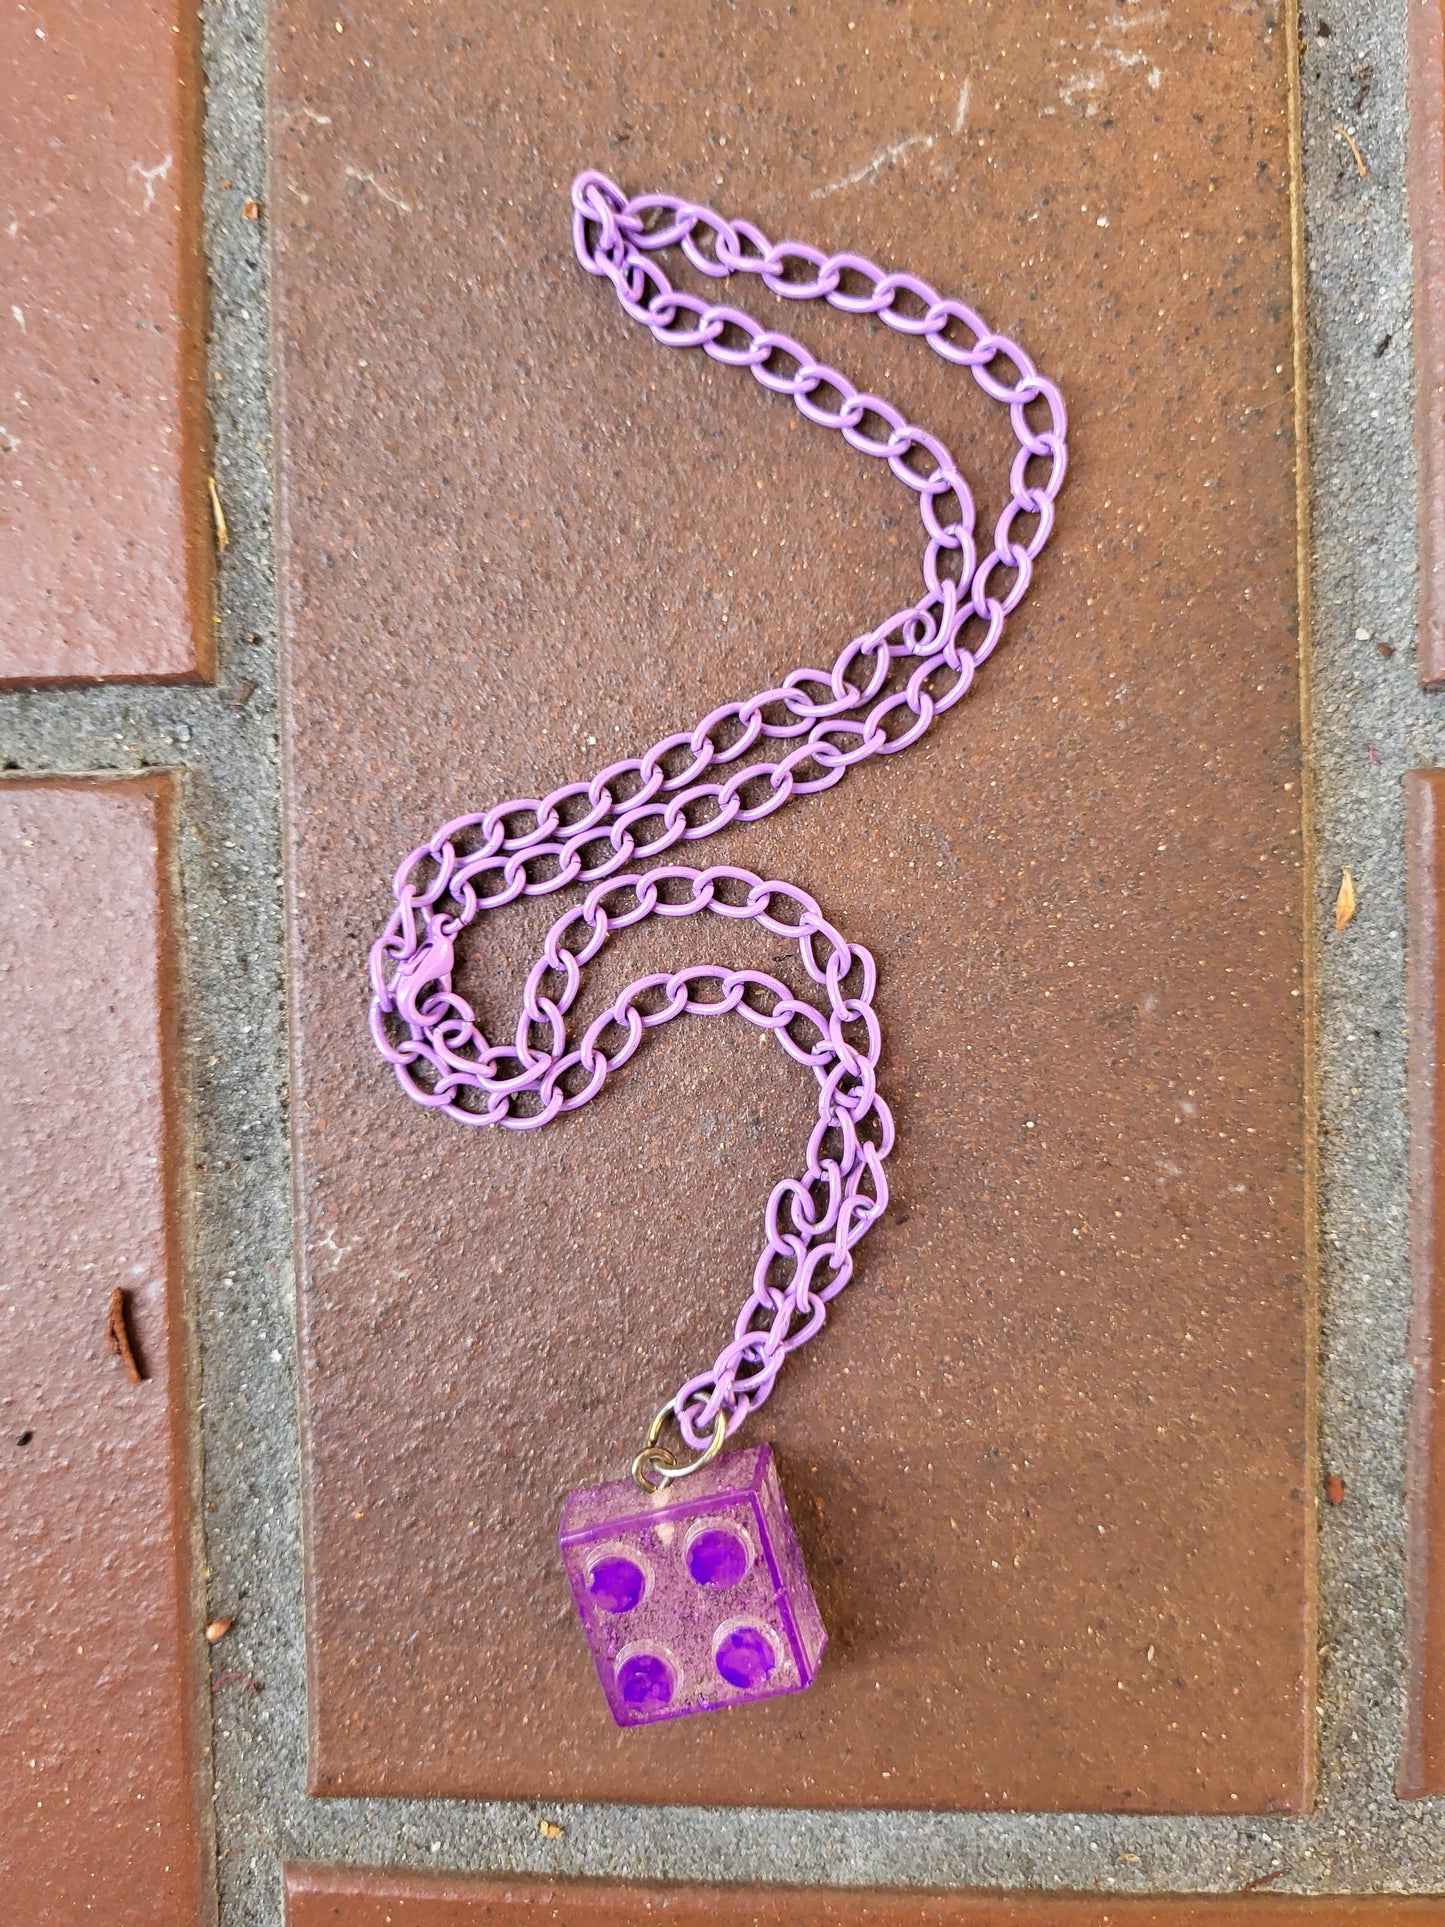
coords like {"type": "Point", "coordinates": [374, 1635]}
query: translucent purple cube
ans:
{"type": "Point", "coordinates": [693, 1598]}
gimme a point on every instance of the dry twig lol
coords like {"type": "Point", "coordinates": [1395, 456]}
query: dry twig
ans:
{"type": "Point", "coordinates": [1348, 138]}
{"type": "Point", "coordinates": [117, 1337]}
{"type": "Point", "coordinates": [236, 1679]}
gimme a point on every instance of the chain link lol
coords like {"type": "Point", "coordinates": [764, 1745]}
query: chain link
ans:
{"type": "Point", "coordinates": [883, 691]}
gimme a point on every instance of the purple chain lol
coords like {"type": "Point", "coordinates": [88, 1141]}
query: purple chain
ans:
{"type": "Point", "coordinates": [881, 694]}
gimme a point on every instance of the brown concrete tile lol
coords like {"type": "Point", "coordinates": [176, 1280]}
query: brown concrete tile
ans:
{"type": "Point", "coordinates": [1422, 1768]}
{"type": "Point", "coordinates": [1050, 1463]}
{"type": "Point", "coordinates": [101, 1801]}
{"type": "Point", "coordinates": [323, 1897]}
{"type": "Point", "coordinates": [105, 555]}
{"type": "Point", "coordinates": [1426, 165]}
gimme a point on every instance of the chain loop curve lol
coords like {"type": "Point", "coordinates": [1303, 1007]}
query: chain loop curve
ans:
{"type": "Point", "coordinates": [884, 690]}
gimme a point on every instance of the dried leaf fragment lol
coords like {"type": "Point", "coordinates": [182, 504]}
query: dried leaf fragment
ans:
{"type": "Point", "coordinates": [218, 515]}
{"type": "Point", "coordinates": [1335, 1489]}
{"type": "Point", "coordinates": [117, 1337]}
{"type": "Point", "coordinates": [1346, 902]}
{"type": "Point", "coordinates": [549, 1830]}
{"type": "Point", "coordinates": [250, 210]}
{"type": "Point", "coordinates": [218, 1629]}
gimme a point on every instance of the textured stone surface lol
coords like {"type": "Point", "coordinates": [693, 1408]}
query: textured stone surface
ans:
{"type": "Point", "coordinates": [104, 520]}
{"type": "Point", "coordinates": [101, 1798]}
{"type": "Point", "coordinates": [1049, 1464]}
{"type": "Point", "coordinates": [318, 1897]}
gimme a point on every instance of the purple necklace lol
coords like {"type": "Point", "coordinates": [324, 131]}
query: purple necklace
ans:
{"type": "Point", "coordinates": [699, 1602]}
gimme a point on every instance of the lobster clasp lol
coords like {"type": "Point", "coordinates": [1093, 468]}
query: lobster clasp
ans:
{"type": "Point", "coordinates": [432, 964]}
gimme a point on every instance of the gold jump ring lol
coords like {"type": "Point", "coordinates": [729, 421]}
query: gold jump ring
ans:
{"type": "Point", "coordinates": [656, 1459]}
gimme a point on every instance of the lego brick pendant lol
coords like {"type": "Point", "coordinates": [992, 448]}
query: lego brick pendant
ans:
{"type": "Point", "coordinates": [693, 1598]}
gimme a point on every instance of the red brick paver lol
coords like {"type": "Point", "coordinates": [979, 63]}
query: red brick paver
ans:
{"type": "Point", "coordinates": [100, 1797]}
{"type": "Point", "coordinates": [105, 548]}
{"type": "Point", "coordinates": [1426, 162]}
{"type": "Point", "coordinates": [1049, 1463]}
{"type": "Point", "coordinates": [320, 1897]}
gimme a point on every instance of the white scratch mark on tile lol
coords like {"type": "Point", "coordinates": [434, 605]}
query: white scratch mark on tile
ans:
{"type": "Point", "coordinates": [1094, 82]}
{"type": "Point", "coordinates": [19, 314]}
{"type": "Point", "coordinates": [370, 180]}
{"type": "Point", "coordinates": [1085, 83]}
{"type": "Point", "coordinates": [321, 120]}
{"type": "Point", "coordinates": [870, 170]}
{"type": "Point", "coordinates": [1140, 59]}
{"type": "Point", "coordinates": [328, 1243]}
{"type": "Point", "coordinates": [960, 115]}
{"type": "Point", "coordinates": [150, 175]}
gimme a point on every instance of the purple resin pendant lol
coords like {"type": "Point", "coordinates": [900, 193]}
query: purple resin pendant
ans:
{"type": "Point", "coordinates": [693, 1598]}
